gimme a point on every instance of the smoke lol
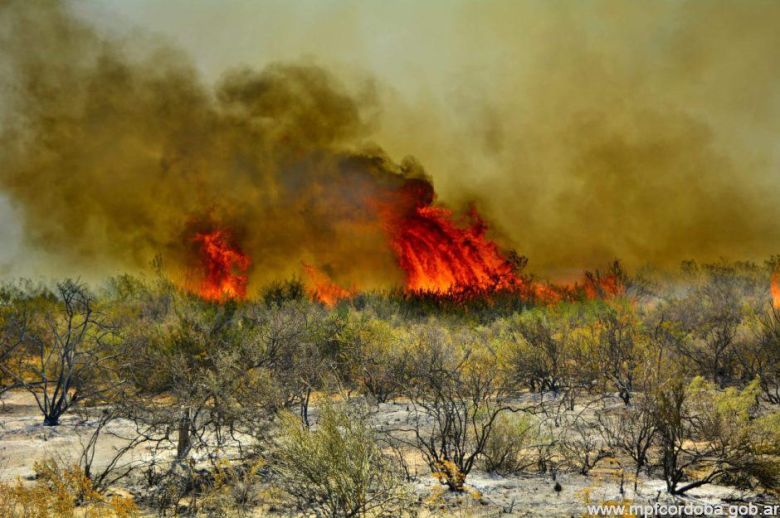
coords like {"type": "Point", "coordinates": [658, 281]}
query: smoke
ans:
{"type": "Point", "coordinates": [599, 130]}
{"type": "Point", "coordinates": [114, 160]}
{"type": "Point", "coordinates": [583, 131]}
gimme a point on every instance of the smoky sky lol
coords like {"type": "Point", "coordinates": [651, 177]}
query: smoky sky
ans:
{"type": "Point", "coordinates": [583, 132]}
{"type": "Point", "coordinates": [113, 160]}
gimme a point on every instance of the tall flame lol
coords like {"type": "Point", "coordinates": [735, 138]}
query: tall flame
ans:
{"type": "Point", "coordinates": [224, 267]}
{"type": "Point", "coordinates": [437, 255]}
{"type": "Point", "coordinates": [440, 257]}
{"type": "Point", "coordinates": [776, 290]}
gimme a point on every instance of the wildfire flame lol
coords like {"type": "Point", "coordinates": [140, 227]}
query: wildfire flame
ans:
{"type": "Point", "coordinates": [775, 288]}
{"type": "Point", "coordinates": [600, 286]}
{"type": "Point", "coordinates": [323, 288]}
{"type": "Point", "coordinates": [224, 267]}
{"type": "Point", "coordinates": [440, 256]}
{"type": "Point", "coordinates": [437, 255]}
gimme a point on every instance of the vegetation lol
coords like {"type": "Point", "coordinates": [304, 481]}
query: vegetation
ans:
{"type": "Point", "coordinates": [59, 491]}
{"type": "Point", "coordinates": [282, 403]}
{"type": "Point", "coordinates": [338, 469]}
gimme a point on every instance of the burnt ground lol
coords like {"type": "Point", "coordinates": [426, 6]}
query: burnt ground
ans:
{"type": "Point", "coordinates": [24, 440]}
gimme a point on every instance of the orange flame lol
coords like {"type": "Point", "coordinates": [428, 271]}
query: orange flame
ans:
{"type": "Point", "coordinates": [324, 289]}
{"type": "Point", "coordinates": [437, 255]}
{"type": "Point", "coordinates": [441, 257]}
{"type": "Point", "coordinates": [775, 288]}
{"type": "Point", "coordinates": [224, 267]}
{"type": "Point", "coordinates": [545, 293]}
{"type": "Point", "coordinates": [598, 286]}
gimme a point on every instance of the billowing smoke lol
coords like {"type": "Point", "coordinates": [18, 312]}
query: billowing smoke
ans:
{"type": "Point", "coordinates": [114, 160]}
{"type": "Point", "coordinates": [586, 132]}
{"type": "Point", "coordinates": [645, 131]}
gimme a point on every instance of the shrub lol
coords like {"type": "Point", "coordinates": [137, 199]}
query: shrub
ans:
{"type": "Point", "coordinates": [337, 467]}
{"type": "Point", "coordinates": [62, 492]}
{"type": "Point", "coordinates": [233, 490]}
{"type": "Point", "coordinates": [707, 436]}
{"type": "Point", "coordinates": [456, 395]}
{"type": "Point", "coordinates": [377, 358]}
{"type": "Point", "coordinates": [510, 448]}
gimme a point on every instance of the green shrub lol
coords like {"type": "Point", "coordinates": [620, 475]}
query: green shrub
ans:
{"type": "Point", "coordinates": [337, 468]}
{"type": "Point", "coordinates": [510, 448]}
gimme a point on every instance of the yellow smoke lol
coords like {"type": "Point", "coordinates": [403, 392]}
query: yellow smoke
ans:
{"type": "Point", "coordinates": [584, 131]}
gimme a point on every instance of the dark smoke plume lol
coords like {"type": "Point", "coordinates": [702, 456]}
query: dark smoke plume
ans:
{"type": "Point", "coordinates": [586, 132]}
{"type": "Point", "coordinates": [115, 160]}
{"type": "Point", "coordinates": [644, 131]}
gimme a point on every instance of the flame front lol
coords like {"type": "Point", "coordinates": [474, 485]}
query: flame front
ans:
{"type": "Point", "coordinates": [437, 255]}
{"type": "Point", "coordinates": [775, 288]}
{"type": "Point", "coordinates": [224, 267]}
{"type": "Point", "coordinates": [440, 257]}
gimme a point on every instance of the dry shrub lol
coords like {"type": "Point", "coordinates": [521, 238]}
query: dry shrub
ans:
{"type": "Point", "coordinates": [338, 468]}
{"type": "Point", "coordinates": [234, 490]}
{"type": "Point", "coordinates": [60, 491]}
{"type": "Point", "coordinates": [512, 447]}
{"type": "Point", "coordinates": [449, 474]}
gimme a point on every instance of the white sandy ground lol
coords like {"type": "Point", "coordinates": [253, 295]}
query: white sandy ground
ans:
{"type": "Point", "coordinates": [24, 440]}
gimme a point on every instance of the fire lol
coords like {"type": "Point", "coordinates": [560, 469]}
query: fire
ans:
{"type": "Point", "coordinates": [224, 267]}
{"type": "Point", "coordinates": [601, 286]}
{"type": "Point", "coordinates": [545, 293]}
{"type": "Point", "coordinates": [437, 255]}
{"type": "Point", "coordinates": [323, 288]}
{"type": "Point", "coordinates": [775, 286]}
{"type": "Point", "coordinates": [440, 255]}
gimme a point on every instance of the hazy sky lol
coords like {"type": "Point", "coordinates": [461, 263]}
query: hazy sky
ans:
{"type": "Point", "coordinates": [585, 131]}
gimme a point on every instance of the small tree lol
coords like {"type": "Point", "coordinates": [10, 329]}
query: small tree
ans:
{"type": "Point", "coordinates": [376, 358]}
{"type": "Point", "coordinates": [68, 345]}
{"type": "Point", "coordinates": [541, 353]}
{"type": "Point", "coordinates": [457, 394]}
{"type": "Point", "coordinates": [706, 435]}
{"type": "Point", "coordinates": [514, 444]}
{"type": "Point", "coordinates": [578, 441]}
{"type": "Point", "coordinates": [297, 342]}
{"type": "Point", "coordinates": [707, 322]}
{"type": "Point", "coordinates": [337, 468]}
{"type": "Point", "coordinates": [616, 338]}
{"type": "Point", "coordinates": [199, 381]}
{"type": "Point", "coordinates": [547, 354]}
{"type": "Point", "coordinates": [632, 431]}
{"type": "Point", "coordinates": [672, 423]}
{"type": "Point", "coordinates": [16, 312]}
{"type": "Point", "coordinates": [760, 355]}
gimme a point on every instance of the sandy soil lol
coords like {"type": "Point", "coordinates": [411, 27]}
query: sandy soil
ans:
{"type": "Point", "coordinates": [24, 440]}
